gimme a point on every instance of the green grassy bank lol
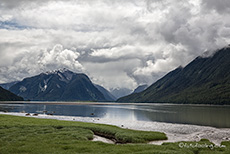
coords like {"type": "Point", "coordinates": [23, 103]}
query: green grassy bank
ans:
{"type": "Point", "coordinates": [32, 135]}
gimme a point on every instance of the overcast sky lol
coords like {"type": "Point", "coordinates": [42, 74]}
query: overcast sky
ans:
{"type": "Point", "coordinates": [117, 43]}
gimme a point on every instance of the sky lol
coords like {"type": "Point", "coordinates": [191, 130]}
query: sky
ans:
{"type": "Point", "coordinates": [117, 43]}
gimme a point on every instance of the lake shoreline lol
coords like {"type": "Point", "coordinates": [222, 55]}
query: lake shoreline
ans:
{"type": "Point", "coordinates": [100, 103]}
{"type": "Point", "coordinates": [174, 132]}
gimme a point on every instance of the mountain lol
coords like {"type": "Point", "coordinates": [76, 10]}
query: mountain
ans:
{"type": "Point", "coordinates": [140, 88]}
{"type": "Point", "coordinates": [6, 95]}
{"type": "Point", "coordinates": [204, 80]}
{"type": "Point", "coordinates": [108, 96]}
{"type": "Point", "coordinates": [58, 85]}
{"type": "Point", "coordinates": [8, 85]}
{"type": "Point", "coordinates": [120, 92]}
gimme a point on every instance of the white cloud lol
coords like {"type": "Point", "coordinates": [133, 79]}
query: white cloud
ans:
{"type": "Point", "coordinates": [120, 40]}
{"type": "Point", "coordinates": [5, 17]}
{"type": "Point", "coordinates": [171, 56]}
{"type": "Point", "coordinates": [60, 58]}
{"type": "Point", "coordinates": [34, 62]}
{"type": "Point", "coordinates": [122, 52]}
{"type": "Point", "coordinates": [113, 74]}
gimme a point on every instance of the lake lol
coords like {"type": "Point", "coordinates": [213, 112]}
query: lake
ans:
{"type": "Point", "coordinates": [204, 115]}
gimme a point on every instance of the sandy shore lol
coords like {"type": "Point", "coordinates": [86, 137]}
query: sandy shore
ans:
{"type": "Point", "coordinates": [174, 132]}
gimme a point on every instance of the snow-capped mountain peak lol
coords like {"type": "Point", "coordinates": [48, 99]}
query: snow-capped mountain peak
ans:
{"type": "Point", "coordinates": [62, 70]}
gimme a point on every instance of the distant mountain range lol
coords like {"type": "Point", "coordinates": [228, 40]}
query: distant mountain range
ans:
{"type": "Point", "coordinates": [6, 95]}
{"type": "Point", "coordinates": [59, 85]}
{"type": "Point", "coordinates": [108, 96]}
{"type": "Point", "coordinates": [204, 80]}
{"type": "Point", "coordinates": [8, 85]}
{"type": "Point", "coordinates": [120, 92]}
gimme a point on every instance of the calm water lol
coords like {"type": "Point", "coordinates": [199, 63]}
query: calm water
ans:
{"type": "Point", "coordinates": [217, 116]}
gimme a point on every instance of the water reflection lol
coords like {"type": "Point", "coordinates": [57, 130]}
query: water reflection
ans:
{"type": "Point", "coordinates": [217, 116]}
{"type": "Point", "coordinates": [121, 113]}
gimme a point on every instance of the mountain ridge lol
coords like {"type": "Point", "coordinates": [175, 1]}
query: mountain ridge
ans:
{"type": "Point", "coordinates": [140, 88]}
{"type": "Point", "coordinates": [8, 85]}
{"type": "Point", "coordinates": [6, 95]}
{"type": "Point", "coordinates": [58, 85]}
{"type": "Point", "coordinates": [108, 96]}
{"type": "Point", "coordinates": [206, 80]}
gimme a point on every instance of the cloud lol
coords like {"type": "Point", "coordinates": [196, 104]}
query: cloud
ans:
{"type": "Point", "coordinates": [116, 53]}
{"type": "Point", "coordinates": [11, 4]}
{"type": "Point", "coordinates": [60, 58]}
{"type": "Point", "coordinates": [167, 59]}
{"type": "Point", "coordinates": [113, 74]}
{"type": "Point", "coordinates": [130, 42]}
{"type": "Point", "coordinates": [29, 63]}
{"type": "Point", "coordinates": [222, 6]}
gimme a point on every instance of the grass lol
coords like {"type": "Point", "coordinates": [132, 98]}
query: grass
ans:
{"type": "Point", "coordinates": [31, 135]}
{"type": "Point", "coordinates": [113, 132]}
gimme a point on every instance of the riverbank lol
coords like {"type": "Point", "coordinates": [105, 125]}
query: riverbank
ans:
{"type": "Point", "coordinates": [174, 132]}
